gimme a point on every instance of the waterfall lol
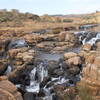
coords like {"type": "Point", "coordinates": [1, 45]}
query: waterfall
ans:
{"type": "Point", "coordinates": [37, 75]}
{"type": "Point", "coordinates": [39, 82]}
{"type": "Point", "coordinates": [88, 37]}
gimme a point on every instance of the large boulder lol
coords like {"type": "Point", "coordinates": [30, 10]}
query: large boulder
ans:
{"type": "Point", "coordinates": [67, 37]}
{"type": "Point", "coordinates": [97, 61]}
{"type": "Point", "coordinates": [70, 37]}
{"type": "Point", "coordinates": [91, 71]}
{"type": "Point", "coordinates": [62, 36]}
{"type": "Point", "coordinates": [21, 55]}
{"type": "Point", "coordinates": [74, 60]}
{"type": "Point", "coordinates": [20, 75]}
{"type": "Point", "coordinates": [13, 52]}
{"type": "Point", "coordinates": [26, 56]}
{"type": "Point", "coordinates": [98, 45]}
{"type": "Point", "coordinates": [8, 91]}
{"type": "Point", "coordinates": [72, 63]}
{"type": "Point", "coordinates": [33, 38]}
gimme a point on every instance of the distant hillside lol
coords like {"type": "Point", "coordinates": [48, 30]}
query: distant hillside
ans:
{"type": "Point", "coordinates": [15, 15]}
{"type": "Point", "coordinates": [15, 18]}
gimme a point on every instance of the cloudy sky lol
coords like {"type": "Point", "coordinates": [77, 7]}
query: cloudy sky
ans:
{"type": "Point", "coordinates": [52, 6]}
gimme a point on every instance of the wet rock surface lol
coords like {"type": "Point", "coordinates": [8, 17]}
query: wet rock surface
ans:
{"type": "Point", "coordinates": [48, 65]}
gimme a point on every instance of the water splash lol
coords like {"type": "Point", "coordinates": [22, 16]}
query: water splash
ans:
{"type": "Point", "coordinates": [18, 43]}
{"type": "Point", "coordinates": [9, 69]}
{"type": "Point", "coordinates": [37, 75]}
{"type": "Point", "coordinates": [88, 37]}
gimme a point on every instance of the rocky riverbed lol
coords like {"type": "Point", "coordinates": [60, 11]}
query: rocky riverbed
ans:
{"type": "Point", "coordinates": [48, 65]}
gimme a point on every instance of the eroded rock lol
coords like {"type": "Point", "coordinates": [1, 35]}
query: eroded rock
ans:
{"type": "Point", "coordinates": [87, 47]}
{"type": "Point", "coordinates": [69, 55]}
{"type": "Point", "coordinates": [8, 91]}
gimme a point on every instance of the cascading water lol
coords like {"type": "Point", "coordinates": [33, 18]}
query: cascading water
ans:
{"type": "Point", "coordinates": [37, 75]}
{"type": "Point", "coordinates": [88, 37]}
{"type": "Point", "coordinates": [9, 69]}
{"type": "Point", "coordinates": [18, 43]}
{"type": "Point", "coordinates": [46, 73]}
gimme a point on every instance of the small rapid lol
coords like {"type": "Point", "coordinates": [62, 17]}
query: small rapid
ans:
{"type": "Point", "coordinates": [88, 37]}
{"type": "Point", "coordinates": [43, 82]}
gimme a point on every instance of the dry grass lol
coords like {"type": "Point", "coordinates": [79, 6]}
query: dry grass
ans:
{"type": "Point", "coordinates": [32, 26]}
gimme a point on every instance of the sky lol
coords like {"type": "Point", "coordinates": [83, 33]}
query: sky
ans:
{"type": "Point", "coordinates": [51, 7]}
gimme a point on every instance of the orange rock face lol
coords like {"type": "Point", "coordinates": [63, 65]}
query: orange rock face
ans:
{"type": "Point", "coordinates": [31, 38]}
{"type": "Point", "coordinates": [87, 47]}
{"type": "Point", "coordinates": [8, 91]}
{"type": "Point", "coordinates": [74, 61]}
{"type": "Point", "coordinates": [91, 70]}
{"type": "Point", "coordinates": [62, 36]}
{"type": "Point", "coordinates": [69, 55]}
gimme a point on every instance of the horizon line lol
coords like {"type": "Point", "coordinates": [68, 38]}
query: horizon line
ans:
{"type": "Point", "coordinates": [51, 14]}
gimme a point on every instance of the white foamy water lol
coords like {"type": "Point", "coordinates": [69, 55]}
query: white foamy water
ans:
{"type": "Point", "coordinates": [34, 87]}
{"type": "Point", "coordinates": [37, 75]}
{"type": "Point", "coordinates": [88, 37]}
{"type": "Point", "coordinates": [89, 26]}
{"type": "Point", "coordinates": [17, 43]}
{"type": "Point", "coordinates": [9, 69]}
{"type": "Point", "coordinates": [48, 94]}
{"type": "Point", "coordinates": [21, 42]}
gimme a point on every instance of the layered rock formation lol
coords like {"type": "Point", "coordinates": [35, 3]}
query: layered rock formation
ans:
{"type": "Point", "coordinates": [34, 63]}
{"type": "Point", "coordinates": [91, 69]}
{"type": "Point", "coordinates": [8, 91]}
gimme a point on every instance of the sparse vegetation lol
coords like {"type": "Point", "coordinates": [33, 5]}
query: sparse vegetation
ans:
{"type": "Point", "coordinates": [84, 92]}
{"type": "Point", "coordinates": [68, 20]}
{"type": "Point", "coordinates": [16, 17]}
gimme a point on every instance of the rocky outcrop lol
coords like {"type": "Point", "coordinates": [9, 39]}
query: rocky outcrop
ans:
{"type": "Point", "coordinates": [91, 69]}
{"type": "Point", "coordinates": [41, 75]}
{"type": "Point", "coordinates": [32, 38]}
{"type": "Point", "coordinates": [21, 55]}
{"type": "Point", "coordinates": [73, 63]}
{"type": "Point", "coordinates": [69, 55]}
{"type": "Point", "coordinates": [20, 75]}
{"type": "Point", "coordinates": [87, 47]}
{"type": "Point", "coordinates": [67, 36]}
{"type": "Point", "coordinates": [8, 91]}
